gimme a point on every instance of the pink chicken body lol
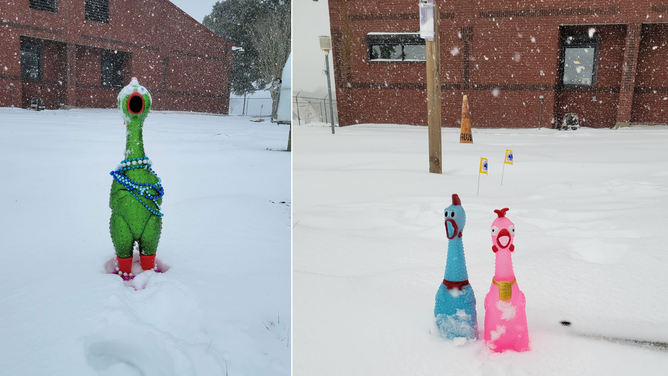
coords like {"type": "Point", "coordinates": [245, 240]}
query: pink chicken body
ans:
{"type": "Point", "coordinates": [505, 313]}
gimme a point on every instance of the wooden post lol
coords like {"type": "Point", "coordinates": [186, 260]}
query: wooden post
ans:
{"type": "Point", "coordinates": [434, 96]}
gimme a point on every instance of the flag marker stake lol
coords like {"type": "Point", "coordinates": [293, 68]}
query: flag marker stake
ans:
{"type": "Point", "coordinates": [502, 171]}
{"type": "Point", "coordinates": [508, 159]}
{"type": "Point", "coordinates": [478, 192]}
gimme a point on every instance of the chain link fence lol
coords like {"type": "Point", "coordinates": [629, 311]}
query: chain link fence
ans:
{"type": "Point", "coordinates": [250, 106]}
{"type": "Point", "coordinates": [306, 110]}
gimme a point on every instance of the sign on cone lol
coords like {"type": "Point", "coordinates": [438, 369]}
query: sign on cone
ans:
{"type": "Point", "coordinates": [465, 136]}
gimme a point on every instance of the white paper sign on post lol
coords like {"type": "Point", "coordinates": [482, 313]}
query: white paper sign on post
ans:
{"type": "Point", "coordinates": [427, 19]}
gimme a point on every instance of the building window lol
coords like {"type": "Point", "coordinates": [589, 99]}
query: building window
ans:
{"type": "Point", "coordinates": [579, 60]}
{"type": "Point", "coordinates": [45, 5]}
{"type": "Point", "coordinates": [396, 47]}
{"type": "Point", "coordinates": [31, 61]}
{"type": "Point", "coordinates": [112, 69]}
{"type": "Point", "coordinates": [97, 10]}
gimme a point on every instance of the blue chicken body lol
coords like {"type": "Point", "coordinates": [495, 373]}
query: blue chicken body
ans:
{"type": "Point", "coordinates": [455, 312]}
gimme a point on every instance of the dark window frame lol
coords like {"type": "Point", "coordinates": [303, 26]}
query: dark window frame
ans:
{"type": "Point", "coordinates": [113, 80]}
{"type": "Point", "coordinates": [96, 10]}
{"type": "Point", "coordinates": [31, 47]}
{"type": "Point", "coordinates": [579, 40]}
{"type": "Point", "coordinates": [50, 6]}
{"type": "Point", "coordinates": [403, 40]}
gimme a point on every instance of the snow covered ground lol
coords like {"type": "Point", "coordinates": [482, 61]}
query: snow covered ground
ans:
{"type": "Point", "coordinates": [222, 308]}
{"type": "Point", "coordinates": [369, 248]}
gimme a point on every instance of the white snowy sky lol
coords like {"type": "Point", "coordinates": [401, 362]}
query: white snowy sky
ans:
{"type": "Point", "coordinates": [309, 20]}
{"type": "Point", "coordinates": [197, 9]}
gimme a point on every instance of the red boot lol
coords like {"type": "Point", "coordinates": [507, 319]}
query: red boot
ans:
{"type": "Point", "coordinates": [124, 268]}
{"type": "Point", "coordinates": [147, 262]}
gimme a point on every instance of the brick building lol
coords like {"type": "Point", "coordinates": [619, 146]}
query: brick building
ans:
{"type": "Point", "coordinates": [604, 60]}
{"type": "Point", "coordinates": [80, 53]}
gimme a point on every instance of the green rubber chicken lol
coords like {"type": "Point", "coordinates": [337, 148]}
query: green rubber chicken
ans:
{"type": "Point", "coordinates": [136, 192]}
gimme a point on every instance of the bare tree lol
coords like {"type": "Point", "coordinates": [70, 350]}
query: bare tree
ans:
{"type": "Point", "coordinates": [238, 21]}
{"type": "Point", "coordinates": [271, 38]}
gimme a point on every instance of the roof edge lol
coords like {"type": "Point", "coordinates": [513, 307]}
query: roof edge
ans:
{"type": "Point", "coordinates": [199, 23]}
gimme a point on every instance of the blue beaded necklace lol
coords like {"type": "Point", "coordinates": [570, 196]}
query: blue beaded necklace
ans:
{"type": "Point", "coordinates": [139, 189]}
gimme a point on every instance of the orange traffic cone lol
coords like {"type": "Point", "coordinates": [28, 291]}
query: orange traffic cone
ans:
{"type": "Point", "coordinates": [465, 136]}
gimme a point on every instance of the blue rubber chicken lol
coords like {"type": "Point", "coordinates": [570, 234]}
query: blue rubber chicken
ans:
{"type": "Point", "coordinates": [455, 312]}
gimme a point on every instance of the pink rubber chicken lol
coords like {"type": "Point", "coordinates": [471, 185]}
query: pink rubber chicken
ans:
{"type": "Point", "coordinates": [505, 314]}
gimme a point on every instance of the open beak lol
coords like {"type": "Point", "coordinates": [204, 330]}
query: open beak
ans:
{"type": "Point", "coordinates": [136, 103]}
{"type": "Point", "coordinates": [503, 239]}
{"type": "Point", "coordinates": [451, 228]}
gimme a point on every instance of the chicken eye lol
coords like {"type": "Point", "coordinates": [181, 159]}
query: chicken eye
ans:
{"type": "Point", "coordinates": [495, 230]}
{"type": "Point", "coordinates": [452, 215]}
{"type": "Point", "coordinates": [446, 214]}
{"type": "Point", "coordinates": [511, 228]}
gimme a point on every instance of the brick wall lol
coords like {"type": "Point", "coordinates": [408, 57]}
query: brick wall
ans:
{"type": "Point", "coordinates": [504, 55]}
{"type": "Point", "coordinates": [184, 65]}
{"type": "Point", "coordinates": [650, 99]}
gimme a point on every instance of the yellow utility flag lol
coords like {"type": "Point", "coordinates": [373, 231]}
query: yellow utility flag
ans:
{"type": "Point", "coordinates": [509, 157]}
{"type": "Point", "coordinates": [483, 166]}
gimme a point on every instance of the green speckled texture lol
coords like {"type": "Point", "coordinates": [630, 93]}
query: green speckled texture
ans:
{"type": "Point", "coordinates": [130, 222]}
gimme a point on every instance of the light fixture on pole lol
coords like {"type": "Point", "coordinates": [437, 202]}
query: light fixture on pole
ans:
{"type": "Point", "coordinates": [243, 107]}
{"type": "Point", "coordinates": [326, 45]}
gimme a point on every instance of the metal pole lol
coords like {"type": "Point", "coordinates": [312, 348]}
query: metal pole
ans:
{"type": "Point", "coordinates": [329, 90]}
{"type": "Point", "coordinates": [324, 101]}
{"type": "Point", "coordinates": [540, 114]}
{"type": "Point", "coordinates": [11, 85]}
{"type": "Point", "coordinates": [297, 106]}
{"type": "Point", "coordinates": [321, 105]}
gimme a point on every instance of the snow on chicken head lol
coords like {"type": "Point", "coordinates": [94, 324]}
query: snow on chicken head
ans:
{"type": "Point", "coordinates": [503, 232]}
{"type": "Point", "coordinates": [134, 101]}
{"type": "Point", "coordinates": [455, 218]}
